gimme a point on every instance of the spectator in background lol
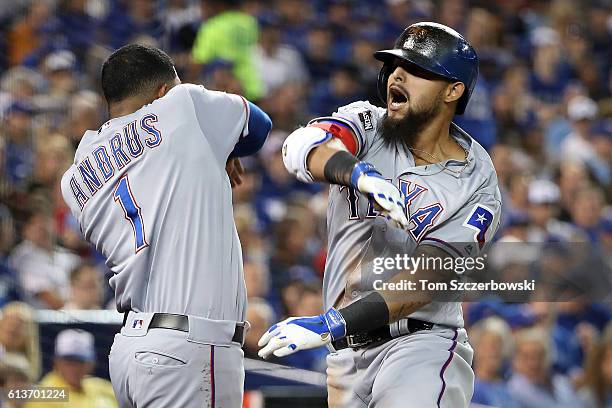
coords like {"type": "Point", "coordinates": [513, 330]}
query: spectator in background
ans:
{"type": "Point", "coordinates": [129, 20]}
{"type": "Point", "coordinates": [399, 15]}
{"type": "Point", "coordinates": [601, 140]}
{"type": "Point", "coordinates": [277, 186]}
{"type": "Point", "coordinates": [492, 342]}
{"type": "Point", "coordinates": [84, 113]}
{"type": "Point", "coordinates": [341, 89]}
{"type": "Point", "coordinates": [587, 211]}
{"type": "Point", "coordinates": [42, 267]}
{"type": "Point", "coordinates": [478, 120]}
{"type": "Point", "coordinates": [339, 19]}
{"type": "Point", "coordinates": [74, 361]}
{"type": "Point", "coordinates": [19, 335]}
{"type": "Point", "coordinates": [513, 103]}
{"type": "Point", "coordinates": [280, 63]}
{"type": "Point", "coordinates": [219, 76]}
{"type": "Point", "coordinates": [581, 111]}
{"type": "Point", "coordinates": [85, 288]}
{"type": "Point", "coordinates": [10, 289]}
{"type": "Point", "coordinates": [296, 17]}
{"type": "Point", "coordinates": [73, 27]}
{"type": "Point", "coordinates": [256, 277]}
{"type": "Point", "coordinates": [543, 197]}
{"type": "Point", "coordinates": [596, 387]}
{"type": "Point", "coordinates": [364, 46]}
{"type": "Point", "coordinates": [14, 374]}
{"type": "Point", "coordinates": [19, 84]}
{"type": "Point", "coordinates": [599, 34]}
{"type": "Point", "coordinates": [26, 35]}
{"type": "Point", "coordinates": [62, 81]}
{"type": "Point", "coordinates": [291, 294]}
{"type": "Point", "coordinates": [285, 105]}
{"type": "Point", "coordinates": [452, 13]}
{"type": "Point", "coordinates": [53, 156]}
{"type": "Point", "coordinates": [318, 53]}
{"type": "Point", "coordinates": [605, 240]}
{"type": "Point", "coordinates": [180, 22]}
{"type": "Point", "coordinates": [260, 315]}
{"type": "Point", "coordinates": [230, 34]}
{"type": "Point", "coordinates": [291, 254]}
{"type": "Point", "coordinates": [550, 74]}
{"type": "Point", "coordinates": [570, 177]}
{"type": "Point", "coordinates": [532, 383]}
{"type": "Point", "coordinates": [253, 243]}
{"type": "Point", "coordinates": [16, 130]}
{"type": "Point", "coordinates": [310, 304]}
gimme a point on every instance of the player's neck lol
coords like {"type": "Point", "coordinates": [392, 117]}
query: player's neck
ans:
{"type": "Point", "coordinates": [436, 142]}
{"type": "Point", "coordinates": [127, 106]}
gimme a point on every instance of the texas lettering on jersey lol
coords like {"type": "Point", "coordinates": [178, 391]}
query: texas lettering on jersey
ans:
{"type": "Point", "coordinates": [421, 219]}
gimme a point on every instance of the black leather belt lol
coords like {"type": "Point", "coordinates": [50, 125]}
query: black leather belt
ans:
{"type": "Point", "coordinates": [379, 336]}
{"type": "Point", "coordinates": [181, 323]}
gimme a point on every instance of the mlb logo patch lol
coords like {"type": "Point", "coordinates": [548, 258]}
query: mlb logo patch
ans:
{"type": "Point", "coordinates": [137, 324]}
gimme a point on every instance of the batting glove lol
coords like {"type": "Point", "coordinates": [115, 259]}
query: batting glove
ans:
{"type": "Point", "coordinates": [368, 180]}
{"type": "Point", "coordinates": [302, 333]}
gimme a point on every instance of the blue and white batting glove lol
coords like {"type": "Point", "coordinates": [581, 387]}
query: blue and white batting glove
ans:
{"type": "Point", "coordinates": [302, 333]}
{"type": "Point", "coordinates": [368, 180]}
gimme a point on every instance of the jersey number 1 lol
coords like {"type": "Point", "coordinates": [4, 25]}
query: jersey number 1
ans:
{"type": "Point", "coordinates": [123, 195]}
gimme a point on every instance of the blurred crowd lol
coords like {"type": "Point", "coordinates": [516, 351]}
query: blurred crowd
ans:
{"type": "Point", "coordinates": [542, 107]}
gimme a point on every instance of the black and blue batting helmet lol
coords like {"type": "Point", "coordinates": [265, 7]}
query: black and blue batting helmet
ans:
{"type": "Point", "coordinates": [435, 48]}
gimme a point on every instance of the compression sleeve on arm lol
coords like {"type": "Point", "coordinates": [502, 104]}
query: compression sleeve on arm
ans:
{"type": "Point", "coordinates": [341, 131]}
{"type": "Point", "coordinates": [257, 129]}
{"type": "Point", "coordinates": [365, 314]}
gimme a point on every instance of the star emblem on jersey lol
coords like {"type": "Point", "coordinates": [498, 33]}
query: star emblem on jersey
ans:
{"type": "Point", "coordinates": [481, 218]}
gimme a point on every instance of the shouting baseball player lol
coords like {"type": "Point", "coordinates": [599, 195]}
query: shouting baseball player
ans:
{"type": "Point", "coordinates": [150, 191]}
{"type": "Point", "coordinates": [389, 350]}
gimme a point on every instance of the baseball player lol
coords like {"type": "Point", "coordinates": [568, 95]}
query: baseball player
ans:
{"type": "Point", "coordinates": [391, 350]}
{"type": "Point", "coordinates": [149, 189]}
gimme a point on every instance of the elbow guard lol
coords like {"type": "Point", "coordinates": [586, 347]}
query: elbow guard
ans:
{"type": "Point", "coordinates": [298, 146]}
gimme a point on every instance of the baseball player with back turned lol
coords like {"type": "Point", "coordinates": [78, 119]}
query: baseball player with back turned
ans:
{"type": "Point", "coordinates": [389, 350]}
{"type": "Point", "coordinates": [150, 191]}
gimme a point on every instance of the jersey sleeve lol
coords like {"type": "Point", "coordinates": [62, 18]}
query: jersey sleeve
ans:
{"type": "Point", "coordinates": [222, 117]}
{"type": "Point", "coordinates": [72, 193]}
{"type": "Point", "coordinates": [357, 124]}
{"type": "Point", "coordinates": [470, 230]}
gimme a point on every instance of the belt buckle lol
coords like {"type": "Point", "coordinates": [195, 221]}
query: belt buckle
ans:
{"type": "Point", "coordinates": [358, 340]}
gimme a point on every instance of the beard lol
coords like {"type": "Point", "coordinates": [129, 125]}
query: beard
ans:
{"type": "Point", "coordinates": [405, 131]}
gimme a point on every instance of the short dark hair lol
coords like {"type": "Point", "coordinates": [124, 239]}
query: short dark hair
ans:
{"type": "Point", "coordinates": [135, 69]}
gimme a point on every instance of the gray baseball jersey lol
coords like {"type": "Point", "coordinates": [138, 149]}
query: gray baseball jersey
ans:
{"type": "Point", "coordinates": [449, 203]}
{"type": "Point", "coordinates": [150, 192]}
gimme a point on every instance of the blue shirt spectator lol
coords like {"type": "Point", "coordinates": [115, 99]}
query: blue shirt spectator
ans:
{"type": "Point", "coordinates": [478, 119]}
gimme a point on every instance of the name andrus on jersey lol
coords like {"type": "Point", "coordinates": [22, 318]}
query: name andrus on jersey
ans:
{"type": "Point", "coordinates": [124, 146]}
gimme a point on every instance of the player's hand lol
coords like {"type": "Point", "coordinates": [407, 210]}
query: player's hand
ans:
{"type": "Point", "coordinates": [383, 193]}
{"type": "Point", "coordinates": [302, 333]}
{"type": "Point", "coordinates": [234, 170]}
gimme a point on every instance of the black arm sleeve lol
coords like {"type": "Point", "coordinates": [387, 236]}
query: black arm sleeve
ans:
{"type": "Point", "coordinates": [339, 168]}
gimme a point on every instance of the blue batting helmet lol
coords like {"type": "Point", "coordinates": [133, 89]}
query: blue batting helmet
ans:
{"type": "Point", "coordinates": [435, 48]}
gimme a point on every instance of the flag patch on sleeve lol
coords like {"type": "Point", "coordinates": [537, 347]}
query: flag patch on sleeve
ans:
{"type": "Point", "coordinates": [479, 220]}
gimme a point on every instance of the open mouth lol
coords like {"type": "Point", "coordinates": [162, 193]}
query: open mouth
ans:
{"type": "Point", "coordinates": [397, 97]}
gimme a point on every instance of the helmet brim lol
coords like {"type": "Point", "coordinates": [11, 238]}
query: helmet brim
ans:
{"type": "Point", "coordinates": [421, 61]}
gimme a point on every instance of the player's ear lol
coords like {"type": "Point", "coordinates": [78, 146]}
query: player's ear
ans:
{"type": "Point", "coordinates": [454, 91]}
{"type": "Point", "coordinates": [163, 90]}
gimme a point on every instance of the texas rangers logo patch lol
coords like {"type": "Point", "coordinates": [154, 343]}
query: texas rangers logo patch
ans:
{"type": "Point", "coordinates": [480, 220]}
